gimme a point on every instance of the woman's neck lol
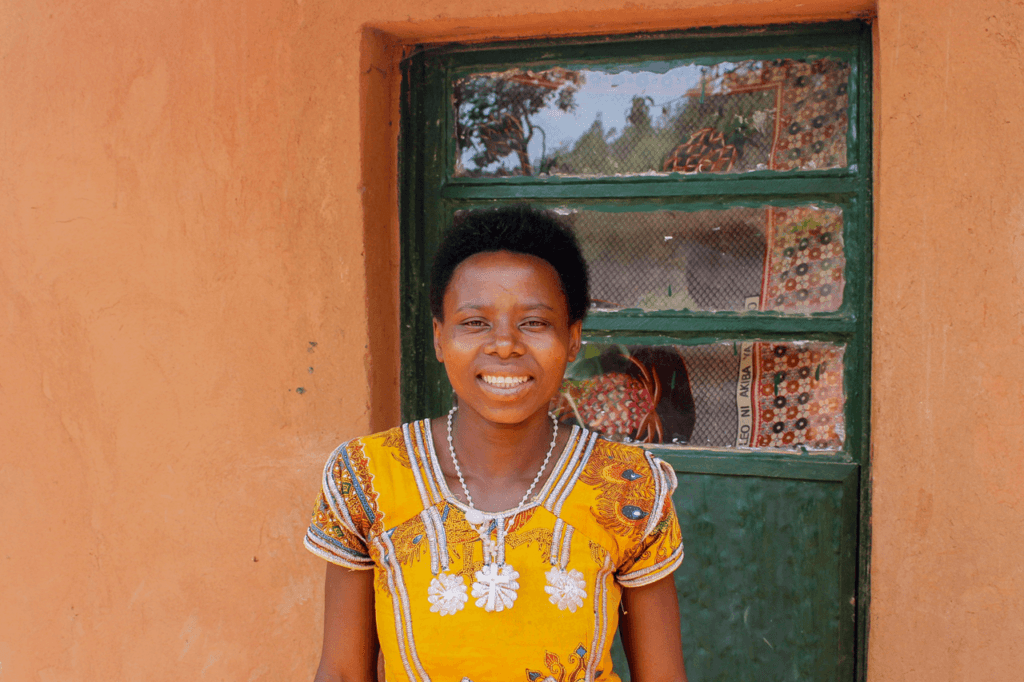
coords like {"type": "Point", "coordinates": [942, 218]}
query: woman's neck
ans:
{"type": "Point", "coordinates": [498, 461]}
{"type": "Point", "coordinates": [501, 450]}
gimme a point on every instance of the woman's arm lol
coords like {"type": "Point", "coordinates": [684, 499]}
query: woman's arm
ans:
{"type": "Point", "coordinates": [650, 632]}
{"type": "Point", "coordinates": [350, 632]}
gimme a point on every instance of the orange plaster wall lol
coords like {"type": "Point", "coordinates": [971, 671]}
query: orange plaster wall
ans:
{"type": "Point", "coordinates": [947, 577]}
{"type": "Point", "coordinates": [193, 192]}
{"type": "Point", "coordinates": [180, 221]}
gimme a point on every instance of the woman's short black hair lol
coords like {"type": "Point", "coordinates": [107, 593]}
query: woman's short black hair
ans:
{"type": "Point", "coordinates": [517, 229]}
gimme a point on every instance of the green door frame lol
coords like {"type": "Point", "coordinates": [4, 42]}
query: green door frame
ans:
{"type": "Point", "coordinates": [430, 196]}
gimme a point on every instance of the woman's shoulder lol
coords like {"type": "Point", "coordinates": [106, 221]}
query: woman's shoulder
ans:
{"type": "Point", "coordinates": [621, 464]}
{"type": "Point", "coordinates": [624, 487]}
{"type": "Point", "coordinates": [391, 471]}
{"type": "Point", "coordinates": [387, 447]}
{"type": "Point", "coordinates": [373, 445]}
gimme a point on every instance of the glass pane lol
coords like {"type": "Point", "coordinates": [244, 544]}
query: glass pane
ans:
{"type": "Point", "coordinates": [769, 258]}
{"type": "Point", "coordinates": [731, 117]}
{"type": "Point", "coordinates": [742, 394]}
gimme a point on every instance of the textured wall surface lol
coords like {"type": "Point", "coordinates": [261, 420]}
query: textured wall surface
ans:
{"type": "Point", "coordinates": [948, 386]}
{"type": "Point", "coordinates": [193, 194]}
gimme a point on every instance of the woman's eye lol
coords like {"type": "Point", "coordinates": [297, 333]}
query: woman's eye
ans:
{"type": "Point", "coordinates": [474, 323]}
{"type": "Point", "coordinates": [535, 324]}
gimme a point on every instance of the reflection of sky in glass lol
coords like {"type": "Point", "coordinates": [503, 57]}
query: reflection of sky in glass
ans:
{"type": "Point", "coordinates": [605, 96]}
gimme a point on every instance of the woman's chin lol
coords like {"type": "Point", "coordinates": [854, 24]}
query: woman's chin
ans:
{"type": "Point", "coordinates": [513, 413]}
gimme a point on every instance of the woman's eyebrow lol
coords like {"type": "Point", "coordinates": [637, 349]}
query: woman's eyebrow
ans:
{"type": "Point", "coordinates": [470, 306]}
{"type": "Point", "coordinates": [483, 306]}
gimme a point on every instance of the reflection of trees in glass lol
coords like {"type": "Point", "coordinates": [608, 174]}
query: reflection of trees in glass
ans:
{"type": "Point", "coordinates": [599, 152]}
{"type": "Point", "coordinates": [494, 112]}
{"type": "Point", "coordinates": [645, 142]}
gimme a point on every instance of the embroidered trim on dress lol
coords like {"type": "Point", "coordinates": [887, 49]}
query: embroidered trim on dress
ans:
{"type": "Point", "coordinates": [431, 462]}
{"type": "Point", "coordinates": [421, 458]}
{"type": "Point", "coordinates": [652, 574]}
{"type": "Point", "coordinates": [399, 625]}
{"type": "Point", "coordinates": [564, 471]}
{"type": "Point", "coordinates": [573, 473]}
{"type": "Point", "coordinates": [500, 541]}
{"type": "Point", "coordinates": [428, 529]}
{"type": "Point", "coordinates": [600, 615]}
{"type": "Point", "coordinates": [440, 535]}
{"type": "Point", "coordinates": [654, 518]}
{"type": "Point", "coordinates": [415, 466]}
{"type": "Point", "coordinates": [334, 497]}
{"type": "Point", "coordinates": [356, 486]}
{"type": "Point", "coordinates": [326, 547]}
{"type": "Point", "coordinates": [563, 559]}
{"type": "Point", "coordinates": [403, 617]}
{"type": "Point", "coordinates": [556, 536]}
{"type": "Point", "coordinates": [562, 466]}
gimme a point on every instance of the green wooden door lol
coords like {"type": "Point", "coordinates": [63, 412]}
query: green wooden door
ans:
{"type": "Point", "coordinates": [720, 184]}
{"type": "Point", "coordinates": [767, 588]}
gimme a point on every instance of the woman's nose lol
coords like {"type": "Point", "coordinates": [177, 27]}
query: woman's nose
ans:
{"type": "Point", "coordinates": [506, 341]}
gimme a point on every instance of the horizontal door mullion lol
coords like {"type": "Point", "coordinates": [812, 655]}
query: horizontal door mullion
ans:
{"type": "Point", "coordinates": [835, 467]}
{"type": "Point", "coordinates": [705, 325]}
{"type": "Point", "coordinates": [835, 187]}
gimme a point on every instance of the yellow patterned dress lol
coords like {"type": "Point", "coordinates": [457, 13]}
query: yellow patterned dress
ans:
{"type": "Point", "coordinates": [546, 607]}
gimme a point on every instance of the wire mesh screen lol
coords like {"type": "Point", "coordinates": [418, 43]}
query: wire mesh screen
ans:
{"type": "Point", "coordinates": [762, 258]}
{"type": "Point", "coordinates": [743, 394]}
{"type": "Point", "coordinates": [673, 260]}
{"type": "Point", "coordinates": [731, 117]}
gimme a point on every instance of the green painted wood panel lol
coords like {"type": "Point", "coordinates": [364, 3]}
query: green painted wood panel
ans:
{"type": "Point", "coordinates": [766, 591]}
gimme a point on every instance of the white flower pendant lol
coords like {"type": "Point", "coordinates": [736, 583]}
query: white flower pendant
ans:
{"type": "Point", "coordinates": [566, 589]}
{"type": "Point", "coordinates": [447, 594]}
{"type": "Point", "coordinates": [495, 587]}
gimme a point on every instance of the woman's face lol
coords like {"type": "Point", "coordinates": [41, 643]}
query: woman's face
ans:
{"type": "Point", "coordinates": [506, 337]}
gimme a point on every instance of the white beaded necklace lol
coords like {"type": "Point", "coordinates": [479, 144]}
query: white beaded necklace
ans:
{"type": "Point", "coordinates": [474, 516]}
{"type": "Point", "coordinates": [496, 586]}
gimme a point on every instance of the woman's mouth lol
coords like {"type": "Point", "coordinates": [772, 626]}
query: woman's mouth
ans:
{"type": "Point", "coordinates": [504, 381]}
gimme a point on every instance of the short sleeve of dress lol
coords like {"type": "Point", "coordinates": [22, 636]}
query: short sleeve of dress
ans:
{"type": "Point", "coordinates": [660, 551]}
{"type": "Point", "coordinates": [339, 527]}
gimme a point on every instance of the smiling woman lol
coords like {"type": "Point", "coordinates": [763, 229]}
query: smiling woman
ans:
{"type": "Point", "coordinates": [505, 334]}
{"type": "Point", "coordinates": [568, 525]}
{"type": "Point", "coordinates": [505, 339]}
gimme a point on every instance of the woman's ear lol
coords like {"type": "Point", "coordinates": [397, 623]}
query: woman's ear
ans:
{"type": "Point", "coordinates": [575, 339]}
{"type": "Point", "coordinates": [437, 340]}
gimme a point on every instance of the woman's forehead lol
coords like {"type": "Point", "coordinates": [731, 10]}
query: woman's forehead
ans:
{"type": "Point", "coordinates": [528, 280]}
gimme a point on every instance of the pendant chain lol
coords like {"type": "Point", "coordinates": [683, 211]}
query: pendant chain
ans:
{"type": "Point", "coordinates": [458, 470]}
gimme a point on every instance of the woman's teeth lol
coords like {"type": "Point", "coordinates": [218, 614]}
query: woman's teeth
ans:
{"type": "Point", "coordinates": [504, 382]}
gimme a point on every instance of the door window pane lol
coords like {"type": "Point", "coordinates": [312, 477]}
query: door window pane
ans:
{"type": "Point", "coordinates": [730, 117]}
{"type": "Point", "coordinates": [767, 258]}
{"type": "Point", "coordinates": [741, 394]}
